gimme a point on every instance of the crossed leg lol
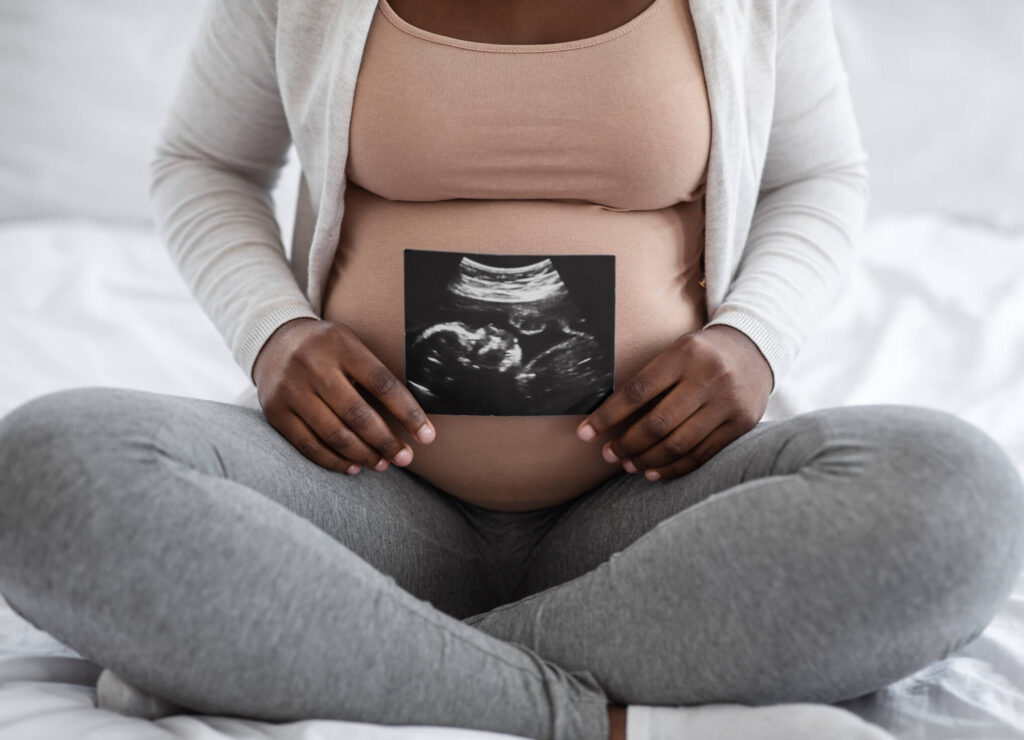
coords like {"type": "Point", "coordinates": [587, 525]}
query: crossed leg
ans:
{"type": "Point", "coordinates": [188, 547]}
{"type": "Point", "coordinates": [815, 559]}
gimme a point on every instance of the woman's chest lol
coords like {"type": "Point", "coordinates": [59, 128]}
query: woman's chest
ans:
{"type": "Point", "coordinates": [519, 21]}
{"type": "Point", "coordinates": [620, 119]}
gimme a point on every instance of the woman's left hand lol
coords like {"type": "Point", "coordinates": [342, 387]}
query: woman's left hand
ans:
{"type": "Point", "coordinates": [718, 384]}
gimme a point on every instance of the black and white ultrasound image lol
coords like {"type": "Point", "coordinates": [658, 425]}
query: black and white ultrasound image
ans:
{"type": "Point", "coordinates": [509, 335]}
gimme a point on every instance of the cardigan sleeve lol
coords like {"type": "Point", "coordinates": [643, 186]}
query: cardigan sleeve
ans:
{"type": "Point", "coordinates": [813, 194]}
{"type": "Point", "coordinates": [218, 157]}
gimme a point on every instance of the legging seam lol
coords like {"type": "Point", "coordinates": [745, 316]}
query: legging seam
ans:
{"type": "Point", "coordinates": [533, 597]}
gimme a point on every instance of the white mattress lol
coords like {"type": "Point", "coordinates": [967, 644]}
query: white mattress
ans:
{"type": "Point", "coordinates": [931, 316]}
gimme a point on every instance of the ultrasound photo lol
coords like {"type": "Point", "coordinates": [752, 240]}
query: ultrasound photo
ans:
{"type": "Point", "coordinates": [509, 335]}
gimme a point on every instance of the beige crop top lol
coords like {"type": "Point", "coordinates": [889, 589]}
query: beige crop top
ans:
{"type": "Point", "coordinates": [523, 231]}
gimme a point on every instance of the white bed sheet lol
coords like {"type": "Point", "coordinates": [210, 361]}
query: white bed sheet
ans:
{"type": "Point", "coordinates": [931, 315]}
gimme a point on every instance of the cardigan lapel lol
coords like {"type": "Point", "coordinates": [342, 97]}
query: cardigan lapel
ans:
{"type": "Point", "coordinates": [323, 110]}
{"type": "Point", "coordinates": [711, 20]}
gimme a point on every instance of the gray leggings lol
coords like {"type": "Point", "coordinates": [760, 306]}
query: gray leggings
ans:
{"type": "Point", "coordinates": [189, 547]}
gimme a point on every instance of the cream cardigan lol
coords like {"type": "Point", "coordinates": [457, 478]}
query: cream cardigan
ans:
{"type": "Point", "coordinates": [787, 185]}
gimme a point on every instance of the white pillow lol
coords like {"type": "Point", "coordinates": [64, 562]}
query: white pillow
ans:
{"type": "Point", "coordinates": [938, 86]}
{"type": "Point", "coordinates": [84, 87]}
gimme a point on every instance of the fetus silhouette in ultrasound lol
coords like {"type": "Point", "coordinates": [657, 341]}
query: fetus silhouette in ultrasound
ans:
{"type": "Point", "coordinates": [508, 335]}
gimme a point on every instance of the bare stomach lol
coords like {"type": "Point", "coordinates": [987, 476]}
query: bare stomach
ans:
{"type": "Point", "coordinates": [510, 320]}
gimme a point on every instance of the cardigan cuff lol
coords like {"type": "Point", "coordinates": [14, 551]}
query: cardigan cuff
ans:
{"type": "Point", "coordinates": [761, 336]}
{"type": "Point", "coordinates": [254, 339]}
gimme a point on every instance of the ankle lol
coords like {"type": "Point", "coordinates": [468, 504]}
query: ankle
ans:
{"type": "Point", "coordinates": [616, 722]}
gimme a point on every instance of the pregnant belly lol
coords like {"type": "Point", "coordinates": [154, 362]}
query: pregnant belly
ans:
{"type": "Point", "coordinates": [510, 320]}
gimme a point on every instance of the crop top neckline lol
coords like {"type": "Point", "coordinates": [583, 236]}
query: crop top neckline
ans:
{"type": "Point", "coordinates": [403, 25]}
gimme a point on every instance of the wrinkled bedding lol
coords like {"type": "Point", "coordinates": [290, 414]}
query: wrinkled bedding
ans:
{"type": "Point", "coordinates": [931, 316]}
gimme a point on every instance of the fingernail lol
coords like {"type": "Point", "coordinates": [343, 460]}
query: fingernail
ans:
{"type": "Point", "coordinates": [403, 458]}
{"type": "Point", "coordinates": [609, 455]}
{"type": "Point", "coordinates": [353, 469]}
{"type": "Point", "coordinates": [425, 433]}
{"type": "Point", "coordinates": [652, 475]}
{"type": "Point", "coordinates": [381, 465]}
{"type": "Point", "coordinates": [586, 433]}
{"type": "Point", "coordinates": [629, 466]}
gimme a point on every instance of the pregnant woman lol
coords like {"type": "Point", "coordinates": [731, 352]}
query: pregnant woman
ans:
{"type": "Point", "coordinates": [503, 466]}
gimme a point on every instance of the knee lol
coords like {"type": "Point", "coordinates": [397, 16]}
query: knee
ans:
{"type": "Point", "coordinates": [956, 470]}
{"type": "Point", "coordinates": [983, 486]}
{"type": "Point", "coordinates": [51, 444]}
{"type": "Point", "coordinates": [32, 439]}
{"type": "Point", "coordinates": [956, 500]}
{"type": "Point", "coordinates": [58, 456]}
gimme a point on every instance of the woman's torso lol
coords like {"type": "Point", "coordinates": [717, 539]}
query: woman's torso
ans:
{"type": "Point", "coordinates": [551, 199]}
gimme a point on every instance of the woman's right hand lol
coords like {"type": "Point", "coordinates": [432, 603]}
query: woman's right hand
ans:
{"type": "Point", "coordinates": [305, 374]}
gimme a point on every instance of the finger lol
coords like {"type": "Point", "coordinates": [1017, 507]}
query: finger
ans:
{"type": "Point", "coordinates": [363, 419]}
{"type": "Point", "coordinates": [708, 448]}
{"type": "Point", "coordinates": [298, 433]}
{"type": "Point", "coordinates": [678, 405]}
{"type": "Point", "coordinates": [651, 380]}
{"type": "Point", "coordinates": [330, 430]}
{"type": "Point", "coordinates": [680, 441]}
{"type": "Point", "coordinates": [379, 380]}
